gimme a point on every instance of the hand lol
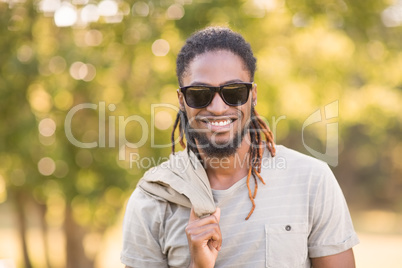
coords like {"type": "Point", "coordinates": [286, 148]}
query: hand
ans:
{"type": "Point", "coordinates": [204, 239]}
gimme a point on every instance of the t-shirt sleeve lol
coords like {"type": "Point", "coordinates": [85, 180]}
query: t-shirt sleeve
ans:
{"type": "Point", "coordinates": [332, 229]}
{"type": "Point", "coordinates": [142, 229]}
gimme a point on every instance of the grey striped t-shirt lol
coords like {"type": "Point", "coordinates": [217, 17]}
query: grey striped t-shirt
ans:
{"type": "Point", "coordinates": [300, 214]}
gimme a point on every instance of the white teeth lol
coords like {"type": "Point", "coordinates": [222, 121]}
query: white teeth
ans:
{"type": "Point", "coordinates": [221, 123]}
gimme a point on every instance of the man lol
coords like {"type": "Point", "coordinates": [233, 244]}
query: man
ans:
{"type": "Point", "coordinates": [201, 208]}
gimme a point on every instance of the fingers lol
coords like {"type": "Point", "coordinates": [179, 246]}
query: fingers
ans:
{"type": "Point", "coordinates": [211, 230]}
{"type": "Point", "coordinates": [217, 214]}
{"type": "Point", "coordinates": [205, 230]}
{"type": "Point", "coordinates": [214, 245]}
{"type": "Point", "coordinates": [204, 239]}
{"type": "Point", "coordinates": [208, 235]}
{"type": "Point", "coordinates": [199, 225]}
{"type": "Point", "coordinates": [205, 234]}
{"type": "Point", "coordinates": [194, 217]}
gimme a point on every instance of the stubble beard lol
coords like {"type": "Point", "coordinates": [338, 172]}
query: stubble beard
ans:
{"type": "Point", "coordinates": [209, 146]}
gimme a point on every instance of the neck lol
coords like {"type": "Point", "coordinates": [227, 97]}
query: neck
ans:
{"type": "Point", "coordinates": [224, 172]}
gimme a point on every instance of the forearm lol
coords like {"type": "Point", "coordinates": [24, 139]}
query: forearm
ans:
{"type": "Point", "coordinates": [344, 259]}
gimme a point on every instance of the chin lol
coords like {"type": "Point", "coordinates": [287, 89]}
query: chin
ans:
{"type": "Point", "coordinates": [221, 142]}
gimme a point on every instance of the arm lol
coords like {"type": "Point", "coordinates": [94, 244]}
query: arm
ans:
{"type": "Point", "coordinates": [344, 259]}
{"type": "Point", "coordinates": [204, 239]}
{"type": "Point", "coordinates": [332, 235]}
{"type": "Point", "coordinates": [142, 226]}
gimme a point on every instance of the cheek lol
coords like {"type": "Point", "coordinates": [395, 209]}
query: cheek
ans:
{"type": "Point", "coordinates": [188, 112]}
{"type": "Point", "coordinates": [191, 113]}
{"type": "Point", "coordinates": [246, 110]}
{"type": "Point", "coordinates": [246, 113]}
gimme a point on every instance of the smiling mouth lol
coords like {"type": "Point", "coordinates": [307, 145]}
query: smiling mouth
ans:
{"type": "Point", "coordinates": [217, 122]}
{"type": "Point", "coordinates": [221, 123]}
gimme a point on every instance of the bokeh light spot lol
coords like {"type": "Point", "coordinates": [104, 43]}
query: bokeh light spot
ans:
{"type": "Point", "coordinates": [78, 70]}
{"type": "Point", "coordinates": [392, 15]}
{"type": "Point", "coordinates": [66, 15]}
{"type": "Point", "coordinates": [131, 36]}
{"type": "Point", "coordinates": [61, 169]}
{"type": "Point", "coordinates": [160, 47]}
{"type": "Point", "coordinates": [63, 100]}
{"type": "Point", "coordinates": [175, 12]}
{"type": "Point", "coordinates": [89, 13]}
{"type": "Point", "coordinates": [79, 2]}
{"type": "Point", "coordinates": [24, 53]}
{"type": "Point", "coordinates": [46, 166]}
{"type": "Point", "coordinates": [300, 20]}
{"type": "Point", "coordinates": [108, 8]}
{"type": "Point", "coordinates": [93, 38]}
{"type": "Point", "coordinates": [47, 127]}
{"type": "Point", "coordinates": [82, 71]}
{"type": "Point", "coordinates": [49, 6]}
{"type": "Point", "coordinates": [39, 99]}
{"type": "Point", "coordinates": [114, 19]}
{"type": "Point", "coordinates": [141, 9]}
{"type": "Point", "coordinates": [163, 120]}
{"type": "Point", "coordinates": [57, 64]}
{"type": "Point", "coordinates": [268, 5]}
{"type": "Point", "coordinates": [376, 50]}
{"type": "Point", "coordinates": [90, 73]}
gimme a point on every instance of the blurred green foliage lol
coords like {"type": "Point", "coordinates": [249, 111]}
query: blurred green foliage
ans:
{"type": "Point", "coordinates": [310, 53]}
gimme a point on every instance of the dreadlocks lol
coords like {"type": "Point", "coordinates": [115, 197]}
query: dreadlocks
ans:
{"type": "Point", "coordinates": [257, 127]}
{"type": "Point", "coordinates": [213, 39]}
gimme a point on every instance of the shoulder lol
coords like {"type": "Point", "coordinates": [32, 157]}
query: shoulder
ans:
{"type": "Point", "coordinates": [141, 203]}
{"type": "Point", "coordinates": [152, 192]}
{"type": "Point", "coordinates": [292, 160]}
{"type": "Point", "coordinates": [296, 158]}
{"type": "Point", "coordinates": [290, 168]}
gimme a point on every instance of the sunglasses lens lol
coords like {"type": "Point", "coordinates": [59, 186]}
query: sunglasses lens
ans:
{"type": "Point", "coordinates": [198, 96]}
{"type": "Point", "coordinates": [201, 96]}
{"type": "Point", "coordinates": [235, 94]}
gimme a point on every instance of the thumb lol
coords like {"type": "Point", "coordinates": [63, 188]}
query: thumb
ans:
{"type": "Point", "coordinates": [193, 216]}
{"type": "Point", "coordinates": [217, 214]}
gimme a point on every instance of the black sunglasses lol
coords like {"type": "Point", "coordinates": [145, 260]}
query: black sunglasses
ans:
{"type": "Point", "coordinates": [234, 94]}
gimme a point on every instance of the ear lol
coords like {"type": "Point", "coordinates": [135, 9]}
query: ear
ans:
{"type": "Point", "coordinates": [180, 96]}
{"type": "Point", "coordinates": [254, 95]}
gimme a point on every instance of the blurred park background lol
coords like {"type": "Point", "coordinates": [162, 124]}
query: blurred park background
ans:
{"type": "Point", "coordinates": [79, 79]}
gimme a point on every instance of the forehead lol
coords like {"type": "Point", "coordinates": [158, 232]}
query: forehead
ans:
{"type": "Point", "coordinates": [216, 68]}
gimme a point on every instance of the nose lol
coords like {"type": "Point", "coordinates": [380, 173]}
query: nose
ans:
{"type": "Point", "coordinates": [217, 105]}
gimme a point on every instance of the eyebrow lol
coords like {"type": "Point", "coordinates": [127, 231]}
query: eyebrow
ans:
{"type": "Point", "coordinates": [196, 83]}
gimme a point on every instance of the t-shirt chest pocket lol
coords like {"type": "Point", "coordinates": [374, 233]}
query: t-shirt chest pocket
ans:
{"type": "Point", "coordinates": [286, 245]}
